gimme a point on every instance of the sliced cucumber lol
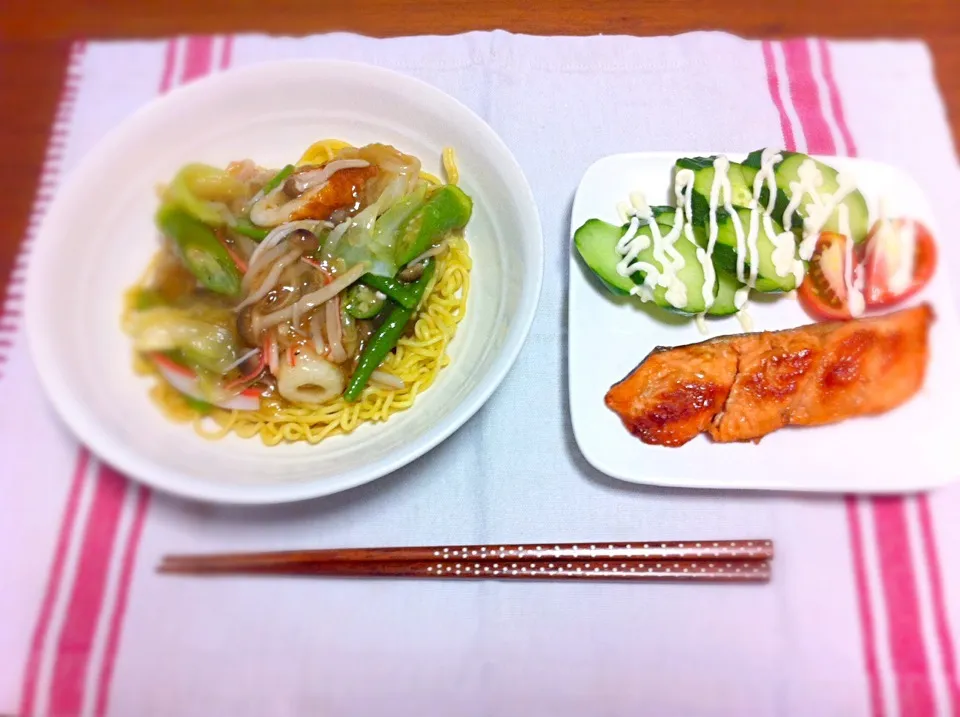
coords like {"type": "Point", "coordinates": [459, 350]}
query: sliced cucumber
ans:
{"type": "Point", "coordinates": [596, 242]}
{"type": "Point", "coordinates": [725, 251]}
{"type": "Point", "coordinates": [726, 281]}
{"type": "Point", "coordinates": [723, 303]}
{"type": "Point", "coordinates": [788, 171]}
{"type": "Point", "coordinates": [741, 185]}
{"type": "Point", "coordinates": [691, 274]}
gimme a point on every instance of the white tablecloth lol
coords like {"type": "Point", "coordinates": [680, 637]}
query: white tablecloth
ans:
{"type": "Point", "coordinates": [863, 613]}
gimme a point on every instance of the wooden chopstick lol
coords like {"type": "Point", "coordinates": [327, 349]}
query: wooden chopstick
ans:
{"type": "Point", "coordinates": [714, 561]}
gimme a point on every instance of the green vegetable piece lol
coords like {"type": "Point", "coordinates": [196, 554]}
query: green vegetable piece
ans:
{"type": "Point", "coordinates": [372, 240]}
{"type": "Point", "coordinates": [401, 293]}
{"type": "Point", "coordinates": [383, 241]}
{"type": "Point", "coordinates": [147, 299]}
{"type": "Point", "coordinates": [197, 405]}
{"type": "Point", "coordinates": [196, 187]}
{"type": "Point", "coordinates": [249, 229]}
{"type": "Point", "coordinates": [277, 179]}
{"type": "Point", "coordinates": [200, 250]}
{"type": "Point", "coordinates": [386, 338]}
{"type": "Point", "coordinates": [363, 302]}
{"type": "Point", "coordinates": [188, 337]}
{"type": "Point", "coordinates": [448, 208]}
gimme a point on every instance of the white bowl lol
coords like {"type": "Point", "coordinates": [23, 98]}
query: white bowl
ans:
{"type": "Point", "coordinates": [98, 237]}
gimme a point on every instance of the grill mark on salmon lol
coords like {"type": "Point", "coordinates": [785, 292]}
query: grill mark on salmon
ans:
{"type": "Point", "coordinates": [740, 388]}
{"type": "Point", "coordinates": [846, 366]}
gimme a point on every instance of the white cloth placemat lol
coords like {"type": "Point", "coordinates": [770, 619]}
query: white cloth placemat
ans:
{"type": "Point", "coordinates": [863, 612]}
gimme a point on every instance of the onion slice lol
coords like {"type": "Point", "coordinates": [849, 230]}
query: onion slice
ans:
{"type": "Point", "coordinates": [432, 251]}
{"type": "Point", "coordinates": [387, 380]}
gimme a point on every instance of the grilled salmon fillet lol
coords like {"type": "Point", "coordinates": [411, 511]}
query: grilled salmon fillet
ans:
{"type": "Point", "coordinates": [740, 388]}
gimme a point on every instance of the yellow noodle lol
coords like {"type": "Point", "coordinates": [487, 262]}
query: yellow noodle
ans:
{"type": "Point", "coordinates": [450, 165]}
{"type": "Point", "coordinates": [322, 151]}
{"type": "Point", "coordinates": [416, 360]}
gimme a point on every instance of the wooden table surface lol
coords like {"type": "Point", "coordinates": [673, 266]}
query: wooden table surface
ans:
{"type": "Point", "coordinates": [35, 37]}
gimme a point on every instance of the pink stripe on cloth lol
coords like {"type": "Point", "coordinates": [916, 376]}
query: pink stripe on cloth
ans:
{"type": "Point", "coordinates": [198, 62]}
{"type": "Point", "coordinates": [32, 674]}
{"type": "Point", "coordinates": [864, 605]}
{"type": "Point", "coordinates": [84, 605]}
{"type": "Point", "coordinates": [169, 63]}
{"type": "Point", "coordinates": [914, 686]}
{"type": "Point", "coordinates": [120, 609]}
{"type": "Point", "coordinates": [226, 56]}
{"type": "Point", "coordinates": [835, 104]}
{"type": "Point", "coordinates": [903, 610]}
{"type": "Point", "coordinates": [86, 600]}
{"type": "Point", "coordinates": [73, 651]}
{"type": "Point", "coordinates": [806, 98]}
{"type": "Point", "coordinates": [944, 635]}
{"type": "Point", "coordinates": [115, 628]}
{"type": "Point", "coordinates": [773, 84]}
{"type": "Point", "coordinates": [198, 58]}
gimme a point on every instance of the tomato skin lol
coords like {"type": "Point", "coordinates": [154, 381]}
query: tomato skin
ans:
{"type": "Point", "coordinates": [817, 308]}
{"type": "Point", "coordinates": [876, 291]}
{"type": "Point", "coordinates": [819, 296]}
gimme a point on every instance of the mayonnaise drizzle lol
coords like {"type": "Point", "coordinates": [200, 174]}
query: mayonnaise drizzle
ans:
{"type": "Point", "coordinates": [701, 323]}
{"type": "Point", "coordinates": [752, 249]}
{"type": "Point", "coordinates": [769, 159]}
{"type": "Point", "coordinates": [820, 207]}
{"type": "Point", "coordinates": [906, 256]}
{"type": "Point", "coordinates": [784, 254]}
{"type": "Point", "coordinates": [740, 297]}
{"type": "Point", "coordinates": [664, 252]}
{"type": "Point", "coordinates": [897, 244]}
{"type": "Point", "coordinates": [720, 165]}
{"type": "Point", "coordinates": [639, 202]}
{"type": "Point", "coordinates": [855, 300]}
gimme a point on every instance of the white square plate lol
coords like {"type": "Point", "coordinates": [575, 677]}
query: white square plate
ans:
{"type": "Point", "coordinates": [914, 447]}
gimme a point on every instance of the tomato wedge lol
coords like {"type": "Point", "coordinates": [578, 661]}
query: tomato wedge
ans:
{"type": "Point", "coordinates": [823, 292]}
{"type": "Point", "coordinates": [901, 257]}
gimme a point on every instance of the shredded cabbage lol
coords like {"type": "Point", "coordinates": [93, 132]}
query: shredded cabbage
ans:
{"type": "Point", "coordinates": [371, 235]}
{"type": "Point", "coordinates": [203, 335]}
{"type": "Point", "coordinates": [204, 191]}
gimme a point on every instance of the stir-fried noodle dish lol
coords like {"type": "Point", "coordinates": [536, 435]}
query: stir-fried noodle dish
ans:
{"type": "Point", "coordinates": [301, 302]}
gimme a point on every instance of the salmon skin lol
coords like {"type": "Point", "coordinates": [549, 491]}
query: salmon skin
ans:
{"type": "Point", "coordinates": [740, 388]}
